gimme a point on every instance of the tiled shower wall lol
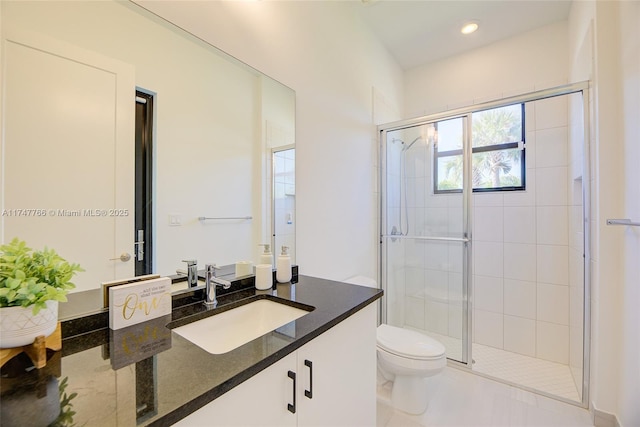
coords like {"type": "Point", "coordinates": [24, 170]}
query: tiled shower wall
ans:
{"type": "Point", "coordinates": [521, 247]}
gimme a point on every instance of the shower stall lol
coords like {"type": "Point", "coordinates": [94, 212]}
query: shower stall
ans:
{"type": "Point", "coordinates": [484, 233]}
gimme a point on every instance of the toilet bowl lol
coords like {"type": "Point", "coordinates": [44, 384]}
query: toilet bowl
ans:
{"type": "Point", "coordinates": [407, 358]}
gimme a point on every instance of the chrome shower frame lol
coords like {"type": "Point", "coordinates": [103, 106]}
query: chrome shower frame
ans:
{"type": "Point", "coordinates": [574, 88]}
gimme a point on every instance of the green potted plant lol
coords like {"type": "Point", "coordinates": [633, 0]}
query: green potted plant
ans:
{"type": "Point", "coordinates": [31, 285]}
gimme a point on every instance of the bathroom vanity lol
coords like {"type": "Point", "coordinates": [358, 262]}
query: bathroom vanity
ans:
{"type": "Point", "coordinates": [319, 369]}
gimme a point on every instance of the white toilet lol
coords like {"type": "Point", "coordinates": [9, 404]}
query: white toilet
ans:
{"type": "Point", "coordinates": [408, 357]}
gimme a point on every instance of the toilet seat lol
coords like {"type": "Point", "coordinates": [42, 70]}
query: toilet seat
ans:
{"type": "Point", "coordinates": [408, 344]}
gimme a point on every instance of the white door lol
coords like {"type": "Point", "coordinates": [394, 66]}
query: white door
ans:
{"type": "Point", "coordinates": [67, 165]}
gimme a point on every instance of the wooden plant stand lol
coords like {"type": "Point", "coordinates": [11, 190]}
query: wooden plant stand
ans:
{"type": "Point", "coordinates": [37, 351]}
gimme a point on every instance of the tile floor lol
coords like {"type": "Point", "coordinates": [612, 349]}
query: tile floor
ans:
{"type": "Point", "coordinates": [461, 398]}
{"type": "Point", "coordinates": [531, 372]}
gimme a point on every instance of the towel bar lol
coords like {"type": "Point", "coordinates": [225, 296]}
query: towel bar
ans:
{"type": "Point", "coordinates": [624, 221]}
{"type": "Point", "coordinates": [204, 218]}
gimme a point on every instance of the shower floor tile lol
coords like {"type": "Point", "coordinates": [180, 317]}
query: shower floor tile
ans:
{"type": "Point", "coordinates": [531, 372]}
{"type": "Point", "coordinates": [525, 371]}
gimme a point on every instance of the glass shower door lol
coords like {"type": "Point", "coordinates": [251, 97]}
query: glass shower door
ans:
{"type": "Point", "coordinates": [424, 231]}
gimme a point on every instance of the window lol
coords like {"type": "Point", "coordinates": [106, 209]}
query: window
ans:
{"type": "Point", "coordinates": [497, 140]}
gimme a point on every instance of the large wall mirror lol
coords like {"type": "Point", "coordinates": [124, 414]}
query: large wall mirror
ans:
{"type": "Point", "coordinates": [73, 162]}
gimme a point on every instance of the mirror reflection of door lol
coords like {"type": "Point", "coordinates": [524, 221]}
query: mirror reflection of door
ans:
{"type": "Point", "coordinates": [284, 201]}
{"type": "Point", "coordinates": [144, 184]}
{"type": "Point", "coordinates": [67, 164]}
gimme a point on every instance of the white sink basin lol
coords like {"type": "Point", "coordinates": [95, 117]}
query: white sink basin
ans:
{"type": "Point", "coordinates": [230, 329]}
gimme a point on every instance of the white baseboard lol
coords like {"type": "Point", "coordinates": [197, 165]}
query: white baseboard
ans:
{"type": "Point", "coordinates": [604, 419]}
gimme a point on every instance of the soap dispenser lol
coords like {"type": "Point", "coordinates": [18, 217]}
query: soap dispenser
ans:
{"type": "Point", "coordinates": [266, 257]}
{"type": "Point", "coordinates": [283, 271]}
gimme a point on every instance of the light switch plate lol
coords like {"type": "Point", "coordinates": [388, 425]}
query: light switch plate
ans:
{"type": "Point", "coordinates": [175, 220]}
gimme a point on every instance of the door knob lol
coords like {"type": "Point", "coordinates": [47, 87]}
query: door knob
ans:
{"type": "Point", "coordinates": [124, 257]}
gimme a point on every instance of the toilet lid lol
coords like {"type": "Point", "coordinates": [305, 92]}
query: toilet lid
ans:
{"type": "Point", "coordinates": [407, 343]}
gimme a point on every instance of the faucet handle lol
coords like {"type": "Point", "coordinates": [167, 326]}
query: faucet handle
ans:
{"type": "Point", "coordinates": [211, 269]}
{"type": "Point", "coordinates": [190, 262]}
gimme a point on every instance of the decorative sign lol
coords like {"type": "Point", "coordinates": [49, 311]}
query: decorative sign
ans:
{"type": "Point", "coordinates": [138, 342]}
{"type": "Point", "coordinates": [138, 302]}
{"type": "Point", "coordinates": [107, 285]}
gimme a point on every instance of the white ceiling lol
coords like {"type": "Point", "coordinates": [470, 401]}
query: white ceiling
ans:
{"type": "Point", "coordinates": [421, 31]}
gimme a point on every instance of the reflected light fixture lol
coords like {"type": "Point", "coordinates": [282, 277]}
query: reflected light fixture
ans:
{"type": "Point", "coordinates": [469, 28]}
{"type": "Point", "coordinates": [432, 135]}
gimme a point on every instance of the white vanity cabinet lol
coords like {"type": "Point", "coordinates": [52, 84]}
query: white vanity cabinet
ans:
{"type": "Point", "coordinates": [344, 374]}
{"type": "Point", "coordinates": [259, 401]}
{"type": "Point", "coordinates": [337, 370]}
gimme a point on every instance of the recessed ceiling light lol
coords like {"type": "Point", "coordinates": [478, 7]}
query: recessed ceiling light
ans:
{"type": "Point", "coordinates": [469, 28]}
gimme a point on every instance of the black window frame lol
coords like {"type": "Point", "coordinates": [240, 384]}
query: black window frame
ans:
{"type": "Point", "coordinates": [483, 149]}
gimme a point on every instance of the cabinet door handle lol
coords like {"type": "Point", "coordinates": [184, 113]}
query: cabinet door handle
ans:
{"type": "Point", "coordinates": [290, 407]}
{"type": "Point", "coordinates": [309, 393]}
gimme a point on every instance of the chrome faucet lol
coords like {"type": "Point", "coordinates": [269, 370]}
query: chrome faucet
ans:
{"type": "Point", "coordinates": [211, 282]}
{"type": "Point", "coordinates": [192, 272]}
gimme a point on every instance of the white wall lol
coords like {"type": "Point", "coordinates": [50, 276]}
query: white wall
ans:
{"type": "Point", "coordinates": [521, 64]}
{"type": "Point", "coordinates": [323, 52]}
{"type": "Point", "coordinates": [605, 45]}
{"type": "Point", "coordinates": [629, 16]}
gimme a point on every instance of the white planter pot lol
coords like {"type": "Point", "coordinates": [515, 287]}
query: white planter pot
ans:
{"type": "Point", "coordinates": [18, 325]}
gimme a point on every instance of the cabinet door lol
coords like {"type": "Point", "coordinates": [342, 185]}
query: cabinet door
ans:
{"type": "Point", "coordinates": [342, 375]}
{"type": "Point", "coordinates": [260, 401]}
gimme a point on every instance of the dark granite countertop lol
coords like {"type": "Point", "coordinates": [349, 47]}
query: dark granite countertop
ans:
{"type": "Point", "coordinates": [149, 375]}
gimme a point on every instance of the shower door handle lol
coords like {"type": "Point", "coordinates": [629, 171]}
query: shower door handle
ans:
{"type": "Point", "coordinates": [426, 238]}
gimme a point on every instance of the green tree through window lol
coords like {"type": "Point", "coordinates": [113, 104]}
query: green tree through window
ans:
{"type": "Point", "coordinates": [497, 156]}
